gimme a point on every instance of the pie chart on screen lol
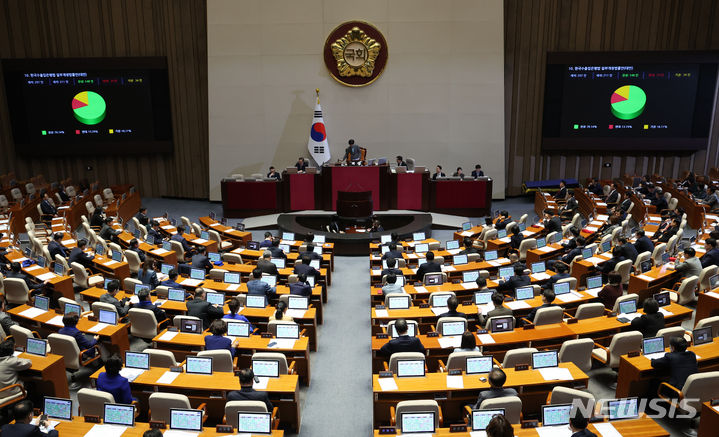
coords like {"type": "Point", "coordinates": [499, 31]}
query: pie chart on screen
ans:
{"type": "Point", "coordinates": [628, 102]}
{"type": "Point", "coordinates": [89, 107]}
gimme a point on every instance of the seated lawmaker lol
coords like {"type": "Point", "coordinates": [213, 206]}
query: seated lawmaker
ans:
{"type": "Point", "coordinates": [452, 304]}
{"type": "Point", "coordinates": [246, 392]}
{"type": "Point", "coordinates": [146, 304]}
{"type": "Point", "coordinates": [468, 344]}
{"type": "Point", "coordinates": [612, 291]}
{"type": "Point", "coordinates": [503, 220]}
{"type": "Point", "coordinates": [561, 194]}
{"type": "Point", "coordinates": [179, 237]}
{"type": "Point", "coordinates": [112, 382]}
{"type": "Point", "coordinates": [400, 161]}
{"type": "Point", "coordinates": [69, 321]}
{"type": "Point", "coordinates": [201, 261]}
{"type": "Point", "coordinates": [403, 343]}
{"type": "Point", "coordinates": [234, 306]}
{"type": "Point", "coordinates": [256, 286]}
{"type": "Point", "coordinates": [273, 174]}
{"type": "Point", "coordinates": [202, 309]}
{"type": "Point", "coordinates": [301, 287]}
{"type": "Point", "coordinates": [46, 204]}
{"type": "Point", "coordinates": [552, 223]}
{"type": "Point", "coordinates": [217, 339]}
{"type": "Point", "coordinates": [266, 265]}
{"type": "Point", "coordinates": [154, 236]}
{"type": "Point", "coordinates": [11, 366]}
{"type": "Point", "coordinates": [23, 415]}
{"type": "Point", "coordinates": [142, 217]}
{"type": "Point", "coordinates": [643, 243]}
{"type": "Point", "coordinates": [468, 244]}
{"type": "Point", "coordinates": [496, 378]}
{"type": "Point", "coordinates": [477, 172]}
{"type": "Point", "coordinates": [267, 242]}
{"type": "Point", "coordinates": [578, 425]}
{"type": "Point", "coordinates": [55, 247]}
{"type": "Point", "coordinates": [147, 274]}
{"type": "Point", "coordinates": [391, 263]}
{"type": "Point", "coordinates": [77, 255]}
{"type": "Point", "coordinates": [548, 297]}
{"type": "Point", "coordinates": [689, 264]}
{"type": "Point", "coordinates": [392, 252]}
{"type": "Point", "coordinates": [353, 154]}
{"type": "Point", "coordinates": [518, 280]}
{"type": "Point", "coordinates": [630, 252]}
{"type": "Point", "coordinates": [122, 306]}
{"type": "Point", "coordinates": [438, 173]}
{"type": "Point", "coordinates": [562, 272]}
{"type": "Point", "coordinates": [679, 362]}
{"type": "Point", "coordinates": [459, 173]}
{"type": "Point", "coordinates": [711, 257]}
{"type": "Point", "coordinates": [107, 232]}
{"type": "Point", "coordinates": [515, 236]}
{"type": "Point", "coordinates": [275, 249]}
{"type": "Point", "coordinates": [17, 273]}
{"type": "Point", "coordinates": [97, 217]}
{"type": "Point", "coordinates": [609, 266]}
{"type": "Point", "coordinates": [651, 321]}
{"type": "Point", "coordinates": [171, 280]}
{"type": "Point", "coordinates": [301, 165]}
{"type": "Point", "coordinates": [498, 311]}
{"type": "Point", "coordinates": [311, 252]}
{"type": "Point", "coordinates": [429, 267]}
{"type": "Point", "coordinates": [391, 285]}
{"type": "Point", "coordinates": [135, 247]}
{"type": "Point", "coordinates": [305, 267]}
{"type": "Point", "coordinates": [280, 313]}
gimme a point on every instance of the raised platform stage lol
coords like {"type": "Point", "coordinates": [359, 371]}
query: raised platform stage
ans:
{"type": "Point", "coordinates": [354, 243]}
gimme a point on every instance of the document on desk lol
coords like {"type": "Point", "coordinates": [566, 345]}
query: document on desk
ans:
{"type": "Point", "coordinates": [556, 374]}
{"type": "Point", "coordinates": [233, 287]}
{"type": "Point", "coordinates": [645, 278]}
{"type": "Point", "coordinates": [455, 381]}
{"type": "Point", "coordinates": [517, 304]}
{"type": "Point", "coordinates": [55, 321]}
{"type": "Point", "coordinates": [466, 234]}
{"type": "Point", "coordinates": [167, 377]}
{"type": "Point", "coordinates": [191, 282]}
{"type": "Point", "coordinates": [178, 433]}
{"type": "Point", "coordinates": [448, 268]}
{"type": "Point", "coordinates": [387, 384]}
{"type": "Point", "coordinates": [167, 336]}
{"type": "Point", "coordinates": [288, 242]}
{"type": "Point", "coordinates": [505, 239]}
{"type": "Point", "coordinates": [469, 285]}
{"type": "Point", "coordinates": [713, 294]}
{"type": "Point", "coordinates": [591, 228]}
{"type": "Point", "coordinates": [607, 429]}
{"type": "Point", "coordinates": [569, 297]}
{"type": "Point", "coordinates": [485, 338]}
{"type": "Point", "coordinates": [32, 267]}
{"type": "Point", "coordinates": [439, 310]}
{"type": "Point", "coordinates": [494, 263]}
{"type": "Point", "coordinates": [261, 383]}
{"type": "Point", "coordinates": [527, 233]}
{"type": "Point", "coordinates": [546, 249]}
{"type": "Point", "coordinates": [99, 327]}
{"type": "Point", "coordinates": [31, 313]}
{"type": "Point", "coordinates": [655, 355]}
{"type": "Point", "coordinates": [420, 290]}
{"type": "Point", "coordinates": [299, 314]}
{"type": "Point", "coordinates": [19, 260]}
{"type": "Point", "coordinates": [110, 263]}
{"type": "Point", "coordinates": [130, 373]}
{"type": "Point", "coordinates": [540, 276]}
{"type": "Point", "coordinates": [282, 343]}
{"type": "Point", "coordinates": [46, 276]}
{"type": "Point", "coordinates": [450, 341]}
{"type": "Point", "coordinates": [159, 252]}
{"type": "Point", "coordinates": [593, 291]}
{"type": "Point", "coordinates": [134, 299]}
{"type": "Point", "coordinates": [383, 314]}
{"type": "Point", "coordinates": [454, 251]}
{"type": "Point", "coordinates": [167, 227]}
{"type": "Point", "coordinates": [554, 431]}
{"type": "Point", "coordinates": [412, 256]}
{"type": "Point", "coordinates": [665, 312]}
{"type": "Point", "coordinates": [478, 434]}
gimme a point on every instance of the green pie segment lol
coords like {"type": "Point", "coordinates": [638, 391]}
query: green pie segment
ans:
{"type": "Point", "coordinates": [89, 107]}
{"type": "Point", "coordinates": [628, 102]}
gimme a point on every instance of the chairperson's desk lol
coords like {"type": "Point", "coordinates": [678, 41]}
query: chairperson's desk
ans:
{"type": "Point", "coordinates": [78, 427]}
{"type": "Point", "coordinates": [49, 322]}
{"type": "Point", "coordinates": [212, 389]}
{"type": "Point", "coordinates": [532, 386]}
{"type": "Point", "coordinates": [183, 344]}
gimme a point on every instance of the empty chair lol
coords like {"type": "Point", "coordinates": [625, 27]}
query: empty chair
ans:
{"type": "Point", "coordinates": [232, 408]}
{"type": "Point", "coordinates": [16, 291]}
{"type": "Point", "coordinates": [133, 260]}
{"type": "Point", "coordinates": [178, 249]}
{"type": "Point", "coordinates": [686, 293]}
{"type": "Point", "coordinates": [490, 234]}
{"type": "Point", "coordinates": [589, 311]}
{"type": "Point", "coordinates": [232, 258]}
{"type": "Point", "coordinates": [668, 333]}
{"type": "Point", "coordinates": [526, 245]}
{"type": "Point", "coordinates": [221, 245]}
{"type": "Point", "coordinates": [512, 407]}
{"type": "Point", "coordinates": [196, 229]}
{"type": "Point", "coordinates": [624, 268]}
{"type": "Point", "coordinates": [523, 218]}
{"type": "Point", "coordinates": [705, 276]}
{"type": "Point", "coordinates": [644, 256]}
{"type": "Point", "coordinates": [92, 402]}
{"type": "Point", "coordinates": [187, 223]}
{"type": "Point", "coordinates": [698, 388]}
{"type": "Point", "coordinates": [520, 355]}
{"type": "Point", "coordinates": [621, 344]}
{"type": "Point", "coordinates": [658, 252]}
{"type": "Point", "coordinates": [108, 194]}
{"type": "Point", "coordinates": [16, 194]}
{"type": "Point", "coordinates": [90, 207]}
{"type": "Point", "coordinates": [82, 279]}
{"type": "Point", "coordinates": [128, 284]}
{"type": "Point", "coordinates": [70, 191]}
{"type": "Point", "coordinates": [177, 320]}
{"type": "Point", "coordinates": [404, 407]}
{"type": "Point", "coordinates": [161, 358]}
{"type": "Point", "coordinates": [97, 306]}
{"type": "Point", "coordinates": [143, 323]}
{"type": "Point", "coordinates": [565, 395]}
{"type": "Point", "coordinates": [221, 360]}
{"type": "Point", "coordinates": [395, 357]}
{"type": "Point", "coordinates": [709, 321]}
{"type": "Point", "coordinates": [98, 200]}
{"type": "Point", "coordinates": [21, 334]}
{"type": "Point", "coordinates": [161, 403]}
{"type": "Point", "coordinates": [549, 315]}
{"type": "Point", "coordinates": [620, 299]}
{"type": "Point", "coordinates": [577, 351]}
{"type": "Point", "coordinates": [217, 274]}
{"type": "Point", "coordinates": [458, 360]}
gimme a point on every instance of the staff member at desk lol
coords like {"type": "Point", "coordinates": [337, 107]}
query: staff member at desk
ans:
{"type": "Point", "coordinates": [246, 392]}
{"type": "Point", "coordinates": [353, 153]}
{"type": "Point", "coordinates": [391, 285]}
{"type": "Point", "coordinates": [267, 242]}
{"type": "Point", "coordinates": [301, 165]}
{"type": "Point", "coordinates": [459, 173]}
{"type": "Point", "coordinates": [202, 309]}
{"type": "Point", "coordinates": [651, 321]}
{"type": "Point", "coordinates": [23, 413]}
{"type": "Point", "coordinates": [680, 362]}
{"type": "Point", "coordinates": [403, 343]}
{"type": "Point", "coordinates": [273, 174]}
{"type": "Point", "coordinates": [477, 172]}
{"type": "Point", "coordinates": [275, 249]}
{"type": "Point", "coordinates": [496, 378]}
{"type": "Point", "coordinates": [77, 255]}
{"type": "Point", "coordinates": [400, 161]}
{"type": "Point", "coordinates": [438, 173]}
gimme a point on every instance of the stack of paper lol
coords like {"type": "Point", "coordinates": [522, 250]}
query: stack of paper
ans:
{"type": "Point", "coordinates": [199, 241]}
{"type": "Point", "coordinates": [31, 313]}
{"type": "Point", "coordinates": [517, 305]}
{"type": "Point", "coordinates": [130, 373]}
{"type": "Point", "coordinates": [645, 277]}
{"type": "Point", "coordinates": [191, 282]}
{"type": "Point", "coordinates": [167, 336]}
{"type": "Point", "coordinates": [568, 297]}
{"type": "Point", "coordinates": [466, 234]}
{"type": "Point", "coordinates": [555, 373]}
{"type": "Point", "coordinates": [505, 239]}
{"type": "Point", "coordinates": [450, 341]}
{"type": "Point", "coordinates": [46, 276]}
{"type": "Point", "coordinates": [595, 260]}
{"type": "Point", "coordinates": [261, 383]}
{"type": "Point", "coordinates": [439, 310]}
{"type": "Point", "coordinates": [631, 316]}
{"type": "Point", "coordinates": [420, 290]}
{"type": "Point", "coordinates": [167, 377]}
{"type": "Point", "coordinates": [382, 314]}
{"type": "Point", "coordinates": [455, 381]}
{"type": "Point", "coordinates": [99, 327]}
{"type": "Point", "coordinates": [593, 291]}
{"type": "Point", "coordinates": [160, 251]}
{"type": "Point", "coordinates": [713, 294]}
{"type": "Point", "coordinates": [607, 429]}
{"type": "Point", "coordinates": [540, 276]}
{"type": "Point", "coordinates": [546, 249]}
{"type": "Point", "coordinates": [387, 384]}
{"type": "Point", "coordinates": [494, 263]}
{"type": "Point", "coordinates": [32, 267]}
{"type": "Point", "coordinates": [233, 287]}
{"type": "Point", "coordinates": [55, 321]}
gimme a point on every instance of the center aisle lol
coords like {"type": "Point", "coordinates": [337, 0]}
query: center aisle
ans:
{"type": "Point", "coordinates": [339, 400]}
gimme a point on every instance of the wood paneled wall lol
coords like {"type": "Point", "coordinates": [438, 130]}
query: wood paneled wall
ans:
{"type": "Point", "coordinates": [176, 29]}
{"type": "Point", "coordinates": [535, 27]}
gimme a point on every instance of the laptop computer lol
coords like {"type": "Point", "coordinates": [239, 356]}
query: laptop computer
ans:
{"type": "Point", "coordinates": [214, 257]}
{"type": "Point", "coordinates": [72, 308]}
{"type": "Point", "coordinates": [627, 408]}
{"type": "Point", "coordinates": [255, 301]}
{"type": "Point", "coordinates": [298, 303]}
{"type": "Point", "coordinates": [199, 365]}
{"type": "Point", "coordinates": [653, 345]}
{"type": "Point", "coordinates": [238, 329]}
{"type": "Point", "coordinates": [544, 359]}
{"type": "Point", "coordinates": [702, 336]}
{"type": "Point", "coordinates": [594, 282]}
{"type": "Point", "coordinates": [458, 260]}
{"type": "Point", "coordinates": [119, 414]}
{"type": "Point", "coordinates": [36, 346]}
{"type": "Point", "coordinates": [714, 282]}
{"type": "Point", "coordinates": [166, 268]}
{"type": "Point", "coordinates": [42, 303]}
{"type": "Point", "coordinates": [288, 236]}
{"type": "Point", "coordinates": [555, 415]}
{"type": "Point", "coordinates": [421, 248]}
{"type": "Point", "coordinates": [186, 420]}
{"type": "Point", "coordinates": [418, 236]}
{"type": "Point", "coordinates": [524, 293]}
{"type": "Point", "coordinates": [270, 280]}
{"type": "Point", "coordinates": [587, 252]}
{"type": "Point", "coordinates": [541, 242]}
{"type": "Point", "coordinates": [505, 272]}
{"type": "Point", "coordinates": [288, 330]}
{"type": "Point", "coordinates": [41, 261]}
{"type": "Point", "coordinates": [398, 302]}
{"type": "Point", "coordinates": [140, 287]}
{"type": "Point", "coordinates": [384, 239]}
{"type": "Point", "coordinates": [662, 298]}
{"type": "Point", "coordinates": [285, 248]}
{"type": "Point", "coordinates": [105, 316]}
{"type": "Point", "coordinates": [476, 365]}
{"type": "Point", "coordinates": [561, 288]}
{"type": "Point", "coordinates": [410, 368]}
{"type": "Point", "coordinates": [176, 294]}
{"type": "Point", "coordinates": [502, 324]}
{"type": "Point", "coordinates": [99, 249]}
{"type": "Point", "coordinates": [417, 422]}
{"type": "Point", "coordinates": [57, 408]}
{"type": "Point", "coordinates": [198, 274]}
{"type": "Point", "coordinates": [166, 245]}
{"type": "Point", "coordinates": [628, 306]}
{"type": "Point", "coordinates": [278, 262]}
{"type": "Point", "coordinates": [481, 418]}
{"type": "Point", "coordinates": [502, 233]}
{"type": "Point", "coordinates": [59, 269]}
{"type": "Point", "coordinates": [606, 246]}
{"type": "Point", "coordinates": [452, 328]}
{"type": "Point", "coordinates": [466, 226]}
{"type": "Point", "coordinates": [490, 255]}
{"type": "Point", "coordinates": [483, 297]}
{"type": "Point", "coordinates": [470, 276]}
{"type": "Point", "coordinates": [319, 239]}
{"type": "Point", "coordinates": [252, 245]}
{"type": "Point", "coordinates": [410, 330]}
{"type": "Point", "coordinates": [231, 278]}
{"type": "Point", "coordinates": [539, 267]}
{"type": "Point", "coordinates": [440, 299]}
{"type": "Point", "coordinates": [266, 368]}
{"type": "Point", "coordinates": [215, 298]}
{"type": "Point", "coordinates": [117, 255]}
{"type": "Point", "coordinates": [204, 235]}
{"type": "Point", "coordinates": [190, 326]}
{"type": "Point", "coordinates": [254, 423]}
{"type": "Point", "coordinates": [137, 360]}
{"type": "Point", "coordinates": [451, 244]}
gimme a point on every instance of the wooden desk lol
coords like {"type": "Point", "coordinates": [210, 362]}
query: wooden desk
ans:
{"type": "Point", "coordinates": [127, 208]}
{"type": "Point", "coordinates": [530, 384]}
{"type": "Point", "coordinates": [169, 230]}
{"type": "Point", "coordinates": [237, 238]}
{"type": "Point", "coordinates": [635, 374]}
{"type": "Point", "coordinates": [152, 250]}
{"type": "Point", "coordinates": [709, 424]}
{"type": "Point", "coordinates": [49, 321]}
{"type": "Point", "coordinates": [51, 370]}
{"type": "Point", "coordinates": [78, 427]}
{"type": "Point", "coordinates": [184, 344]}
{"type": "Point", "coordinates": [212, 389]}
{"type": "Point", "coordinates": [707, 305]}
{"type": "Point", "coordinates": [61, 284]}
{"type": "Point", "coordinates": [662, 277]}
{"type": "Point", "coordinates": [472, 232]}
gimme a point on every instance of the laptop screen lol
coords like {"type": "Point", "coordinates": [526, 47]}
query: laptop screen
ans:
{"type": "Point", "coordinates": [417, 422]}
{"type": "Point", "coordinates": [238, 329]}
{"type": "Point", "coordinates": [285, 248]}
{"type": "Point", "coordinates": [267, 368]}
{"type": "Point", "coordinates": [204, 235]}
{"type": "Point", "coordinates": [36, 346]}
{"type": "Point", "coordinates": [459, 260]}
{"type": "Point", "coordinates": [270, 280]}
{"type": "Point", "coordinates": [188, 420]}
{"type": "Point", "coordinates": [524, 293]}
{"type": "Point", "coordinates": [714, 281]}
{"type": "Point", "coordinates": [490, 255]}
{"type": "Point", "coordinates": [628, 306]}
{"type": "Point", "coordinates": [57, 408]}
{"type": "Point", "coordinates": [506, 272]}
{"type": "Point", "coordinates": [594, 282]}
{"type": "Point", "coordinates": [483, 297]}
{"type": "Point", "coordinates": [418, 236]}
{"type": "Point", "coordinates": [541, 242]}
{"type": "Point", "coordinates": [42, 303]}
{"type": "Point", "coordinates": [645, 266]}
{"type": "Point", "coordinates": [298, 303]}
{"type": "Point", "coordinates": [255, 301]}
{"type": "Point", "coordinates": [41, 261]}
{"type": "Point", "coordinates": [137, 360]}
{"type": "Point", "coordinates": [288, 330]}
{"type": "Point", "coordinates": [384, 239]}
{"type": "Point", "coordinates": [232, 278]}
{"type": "Point", "coordinates": [317, 250]}
{"type": "Point", "coordinates": [410, 368]}
{"type": "Point", "coordinates": [479, 365]}
{"type": "Point", "coordinates": [481, 418]}
{"type": "Point", "coordinates": [466, 226]}
{"type": "Point", "coordinates": [662, 298]}
{"type": "Point", "coordinates": [421, 248]}
{"type": "Point", "coordinates": [501, 233]}
{"type": "Point", "coordinates": [117, 255]}
{"type": "Point", "coordinates": [627, 408]}
{"type": "Point", "coordinates": [191, 326]}
{"type": "Point", "coordinates": [553, 415]}
{"type": "Point", "coordinates": [502, 324]}
{"type": "Point", "coordinates": [278, 262]}
{"type": "Point", "coordinates": [702, 335]}
{"type": "Point", "coordinates": [288, 236]}
{"type": "Point", "coordinates": [470, 276]}
{"type": "Point", "coordinates": [214, 257]}
{"type": "Point", "coordinates": [105, 316]}
{"type": "Point", "coordinates": [215, 298]}
{"type": "Point", "coordinates": [254, 423]}
{"type": "Point", "coordinates": [72, 308]}
{"type": "Point", "coordinates": [522, 227]}
{"type": "Point", "coordinates": [433, 279]}
{"type": "Point", "coordinates": [166, 245]}
{"type": "Point", "coordinates": [561, 288]}
{"type": "Point", "coordinates": [199, 365]}
{"type": "Point", "coordinates": [653, 345]}
{"type": "Point", "coordinates": [119, 414]}
{"type": "Point", "coordinates": [315, 263]}
{"type": "Point", "coordinates": [384, 249]}
{"type": "Point", "coordinates": [544, 359]}
{"type": "Point", "coordinates": [140, 287]}
{"type": "Point", "coordinates": [198, 274]}
{"type": "Point", "coordinates": [452, 328]}
{"type": "Point", "coordinates": [253, 245]}
{"type": "Point", "coordinates": [59, 269]}
{"type": "Point", "coordinates": [440, 300]}
{"type": "Point", "coordinates": [319, 239]}
{"type": "Point", "coordinates": [176, 294]}
{"type": "Point", "coordinates": [165, 268]}
{"type": "Point", "coordinates": [606, 246]}
{"type": "Point", "coordinates": [586, 253]}
{"type": "Point", "coordinates": [410, 330]}
{"type": "Point", "coordinates": [538, 267]}
{"type": "Point", "coordinates": [452, 244]}
{"type": "Point", "coordinates": [398, 302]}
{"type": "Point", "coordinates": [99, 249]}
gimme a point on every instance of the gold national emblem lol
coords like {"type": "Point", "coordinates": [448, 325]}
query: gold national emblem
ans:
{"type": "Point", "coordinates": [356, 53]}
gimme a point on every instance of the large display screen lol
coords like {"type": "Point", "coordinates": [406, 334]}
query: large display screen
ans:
{"type": "Point", "coordinates": [89, 106]}
{"type": "Point", "coordinates": [625, 102]}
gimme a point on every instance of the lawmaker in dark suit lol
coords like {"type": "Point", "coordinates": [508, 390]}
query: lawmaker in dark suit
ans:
{"type": "Point", "coordinates": [562, 273]}
{"type": "Point", "coordinates": [266, 265]}
{"type": "Point", "coordinates": [578, 425]}
{"type": "Point", "coordinates": [392, 252]}
{"type": "Point", "coordinates": [438, 173]}
{"type": "Point", "coordinates": [629, 250]}
{"type": "Point", "coordinates": [200, 260]}
{"type": "Point", "coordinates": [562, 192]}
{"type": "Point", "coordinates": [83, 342]}
{"type": "Point", "coordinates": [171, 280]}
{"type": "Point", "coordinates": [267, 242]}
{"type": "Point", "coordinates": [141, 216]}
{"type": "Point", "coordinates": [55, 247]}
{"type": "Point", "coordinates": [47, 206]}
{"type": "Point", "coordinates": [218, 341]}
{"type": "Point", "coordinates": [154, 234]}
{"type": "Point", "coordinates": [711, 257]}
{"type": "Point", "coordinates": [547, 302]}
{"type": "Point", "coordinates": [468, 246]}
{"type": "Point", "coordinates": [651, 321]}
{"type": "Point", "coordinates": [516, 239]}
{"type": "Point", "coordinates": [617, 257]}
{"type": "Point", "coordinates": [78, 256]}
{"type": "Point", "coordinates": [112, 382]}
{"type": "Point", "coordinates": [186, 246]}
{"type": "Point", "coordinates": [23, 413]}
{"type": "Point", "coordinates": [503, 220]}
{"type": "Point", "coordinates": [613, 196]}
{"type": "Point", "coordinates": [477, 172]}
{"type": "Point", "coordinates": [306, 268]}
{"type": "Point", "coordinates": [109, 297]}
{"type": "Point", "coordinates": [311, 252]}
{"type": "Point", "coordinates": [17, 273]}
{"type": "Point", "coordinates": [643, 243]}
{"type": "Point", "coordinates": [452, 304]}
{"type": "Point", "coordinates": [429, 267]}
{"type": "Point", "coordinates": [273, 174]}
{"type": "Point", "coordinates": [498, 311]}
{"type": "Point", "coordinates": [400, 161]}
{"type": "Point", "coordinates": [202, 309]}
{"type": "Point", "coordinates": [135, 247]}
{"type": "Point", "coordinates": [275, 249]}
{"type": "Point", "coordinates": [301, 287]}
{"type": "Point", "coordinates": [107, 233]}
{"type": "Point", "coordinates": [518, 280]}
{"type": "Point", "coordinates": [680, 362]}
{"type": "Point", "coordinates": [301, 165]}
{"type": "Point", "coordinates": [256, 286]}
{"type": "Point", "coordinates": [403, 343]}
{"type": "Point", "coordinates": [246, 392]}
{"type": "Point", "coordinates": [552, 223]}
{"type": "Point", "coordinates": [97, 217]}
{"type": "Point", "coordinates": [496, 378]}
{"type": "Point", "coordinates": [575, 247]}
{"type": "Point", "coordinates": [146, 304]}
{"type": "Point", "coordinates": [391, 263]}
{"type": "Point", "coordinates": [353, 152]}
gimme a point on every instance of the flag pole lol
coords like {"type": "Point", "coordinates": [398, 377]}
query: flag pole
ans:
{"type": "Point", "coordinates": [317, 90]}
